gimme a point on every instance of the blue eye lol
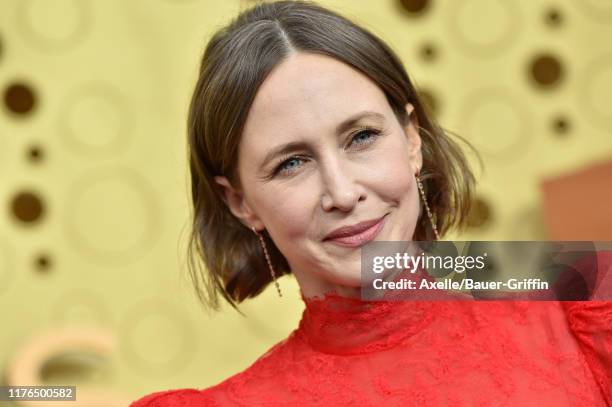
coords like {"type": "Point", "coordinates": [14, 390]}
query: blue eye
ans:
{"type": "Point", "coordinates": [288, 165]}
{"type": "Point", "coordinates": [370, 135]}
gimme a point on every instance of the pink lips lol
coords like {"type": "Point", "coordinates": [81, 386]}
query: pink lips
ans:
{"type": "Point", "coordinates": [356, 235]}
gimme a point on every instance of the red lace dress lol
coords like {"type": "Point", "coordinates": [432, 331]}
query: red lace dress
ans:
{"type": "Point", "coordinates": [348, 352]}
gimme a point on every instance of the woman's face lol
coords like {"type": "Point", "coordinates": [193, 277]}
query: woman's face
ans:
{"type": "Point", "coordinates": [345, 159]}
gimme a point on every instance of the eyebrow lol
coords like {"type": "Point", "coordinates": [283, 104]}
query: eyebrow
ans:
{"type": "Point", "coordinates": [341, 128]}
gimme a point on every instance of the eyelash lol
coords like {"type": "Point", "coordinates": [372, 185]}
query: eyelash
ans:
{"type": "Point", "coordinates": [364, 130]}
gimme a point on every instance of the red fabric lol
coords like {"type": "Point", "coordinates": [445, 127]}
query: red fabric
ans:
{"type": "Point", "coordinates": [426, 353]}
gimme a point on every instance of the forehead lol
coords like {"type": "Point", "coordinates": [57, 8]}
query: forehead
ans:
{"type": "Point", "coordinates": [309, 93]}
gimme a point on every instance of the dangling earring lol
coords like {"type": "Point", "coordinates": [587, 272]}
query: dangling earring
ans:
{"type": "Point", "coordinates": [422, 192]}
{"type": "Point", "coordinates": [265, 249]}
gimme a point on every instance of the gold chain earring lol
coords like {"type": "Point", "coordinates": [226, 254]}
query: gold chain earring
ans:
{"type": "Point", "coordinates": [422, 193]}
{"type": "Point", "coordinates": [265, 250]}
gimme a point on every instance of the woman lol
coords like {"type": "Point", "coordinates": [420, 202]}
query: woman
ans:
{"type": "Point", "coordinates": [307, 140]}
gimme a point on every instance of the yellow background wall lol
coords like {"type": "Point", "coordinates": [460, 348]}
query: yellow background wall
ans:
{"type": "Point", "coordinates": [93, 179]}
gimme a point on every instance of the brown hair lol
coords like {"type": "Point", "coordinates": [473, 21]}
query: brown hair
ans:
{"type": "Point", "coordinates": [236, 61]}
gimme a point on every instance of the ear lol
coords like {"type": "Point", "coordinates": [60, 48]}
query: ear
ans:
{"type": "Point", "coordinates": [414, 139]}
{"type": "Point", "coordinates": [237, 204]}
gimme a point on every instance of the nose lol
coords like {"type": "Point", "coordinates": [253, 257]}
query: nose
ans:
{"type": "Point", "coordinates": [340, 187]}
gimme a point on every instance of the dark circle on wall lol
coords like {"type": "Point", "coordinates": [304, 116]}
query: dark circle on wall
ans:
{"type": "Point", "coordinates": [546, 70]}
{"type": "Point", "coordinates": [503, 120]}
{"type": "Point", "coordinates": [415, 7]}
{"type": "Point", "coordinates": [117, 194]}
{"type": "Point", "coordinates": [595, 90]}
{"type": "Point", "coordinates": [429, 100]}
{"type": "Point", "coordinates": [428, 52]}
{"type": "Point", "coordinates": [43, 262]}
{"type": "Point", "coordinates": [19, 98]}
{"type": "Point", "coordinates": [561, 125]}
{"type": "Point", "coordinates": [478, 43]}
{"type": "Point", "coordinates": [553, 17]}
{"type": "Point", "coordinates": [480, 213]}
{"type": "Point", "coordinates": [27, 207]}
{"type": "Point", "coordinates": [35, 154]}
{"type": "Point", "coordinates": [33, 30]}
{"type": "Point", "coordinates": [95, 119]}
{"type": "Point", "coordinates": [163, 319]}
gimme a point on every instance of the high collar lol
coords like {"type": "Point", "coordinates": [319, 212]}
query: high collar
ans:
{"type": "Point", "coordinates": [340, 325]}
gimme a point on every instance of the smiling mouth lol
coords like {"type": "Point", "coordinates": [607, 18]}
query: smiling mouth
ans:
{"type": "Point", "coordinates": [361, 238]}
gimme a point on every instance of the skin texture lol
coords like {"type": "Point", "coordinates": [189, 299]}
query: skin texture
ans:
{"type": "Point", "coordinates": [335, 179]}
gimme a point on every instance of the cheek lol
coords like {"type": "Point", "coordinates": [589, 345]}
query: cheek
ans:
{"type": "Point", "coordinates": [396, 184]}
{"type": "Point", "coordinates": [286, 213]}
{"type": "Point", "coordinates": [288, 220]}
{"type": "Point", "coordinates": [393, 172]}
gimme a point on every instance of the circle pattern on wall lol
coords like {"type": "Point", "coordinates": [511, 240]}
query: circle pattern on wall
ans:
{"type": "Point", "coordinates": [561, 125]}
{"type": "Point", "coordinates": [53, 25]}
{"type": "Point", "coordinates": [35, 154]}
{"type": "Point", "coordinates": [19, 98]}
{"type": "Point", "coordinates": [428, 52]}
{"type": "Point", "coordinates": [175, 341]}
{"type": "Point", "coordinates": [27, 207]}
{"type": "Point", "coordinates": [546, 70]}
{"type": "Point", "coordinates": [95, 120]}
{"type": "Point", "coordinates": [553, 17]}
{"type": "Point", "coordinates": [480, 213]}
{"type": "Point", "coordinates": [596, 87]}
{"type": "Point", "coordinates": [414, 6]}
{"type": "Point", "coordinates": [43, 262]}
{"type": "Point", "coordinates": [497, 123]}
{"type": "Point", "coordinates": [112, 215]}
{"type": "Point", "coordinates": [484, 36]}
